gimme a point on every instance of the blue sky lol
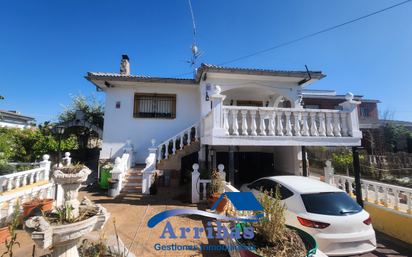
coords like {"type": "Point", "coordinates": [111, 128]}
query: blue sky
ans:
{"type": "Point", "coordinates": [47, 47]}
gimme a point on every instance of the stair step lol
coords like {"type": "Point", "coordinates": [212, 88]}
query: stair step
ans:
{"type": "Point", "coordinates": [137, 189]}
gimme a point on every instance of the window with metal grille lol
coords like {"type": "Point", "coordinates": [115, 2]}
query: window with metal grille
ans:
{"type": "Point", "coordinates": [312, 106]}
{"type": "Point", "coordinates": [158, 106]}
{"type": "Point", "coordinates": [364, 112]}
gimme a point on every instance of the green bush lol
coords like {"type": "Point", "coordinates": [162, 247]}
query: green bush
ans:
{"type": "Point", "coordinates": [5, 169]}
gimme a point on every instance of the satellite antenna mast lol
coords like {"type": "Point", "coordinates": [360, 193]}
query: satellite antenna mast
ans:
{"type": "Point", "coordinates": [194, 48]}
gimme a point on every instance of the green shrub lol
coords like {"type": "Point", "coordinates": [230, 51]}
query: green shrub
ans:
{"type": "Point", "coordinates": [5, 169]}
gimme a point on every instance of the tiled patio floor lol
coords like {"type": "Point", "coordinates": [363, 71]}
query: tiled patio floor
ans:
{"type": "Point", "coordinates": [128, 210]}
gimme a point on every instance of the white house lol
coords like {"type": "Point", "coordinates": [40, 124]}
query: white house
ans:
{"type": "Point", "coordinates": [14, 119]}
{"type": "Point", "coordinates": [252, 119]}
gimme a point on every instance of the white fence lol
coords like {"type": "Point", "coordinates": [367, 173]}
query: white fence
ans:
{"type": "Point", "coordinates": [16, 180]}
{"type": "Point", "coordinates": [390, 196]}
{"type": "Point", "coordinates": [199, 193]}
{"type": "Point", "coordinates": [40, 192]}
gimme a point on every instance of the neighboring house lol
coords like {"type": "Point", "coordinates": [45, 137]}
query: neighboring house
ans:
{"type": "Point", "coordinates": [369, 122]}
{"type": "Point", "coordinates": [252, 119]}
{"type": "Point", "coordinates": [14, 119]}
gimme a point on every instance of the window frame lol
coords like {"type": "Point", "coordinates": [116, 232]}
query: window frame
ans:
{"type": "Point", "coordinates": [136, 105]}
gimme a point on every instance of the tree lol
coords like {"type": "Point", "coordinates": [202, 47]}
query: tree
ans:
{"type": "Point", "coordinates": [93, 111]}
{"type": "Point", "coordinates": [392, 132]}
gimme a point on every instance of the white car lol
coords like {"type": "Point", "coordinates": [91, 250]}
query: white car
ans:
{"type": "Point", "coordinates": [333, 218]}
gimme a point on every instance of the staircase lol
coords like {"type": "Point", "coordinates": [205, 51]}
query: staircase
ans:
{"type": "Point", "coordinates": [173, 162]}
{"type": "Point", "coordinates": [133, 179]}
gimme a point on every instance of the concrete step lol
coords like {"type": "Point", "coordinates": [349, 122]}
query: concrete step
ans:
{"type": "Point", "coordinates": [173, 162]}
{"type": "Point", "coordinates": [132, 189]}
{"type": "Point", "coordinates": [132, 183]}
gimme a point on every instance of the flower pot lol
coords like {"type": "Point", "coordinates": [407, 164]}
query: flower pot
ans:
{"type": "Point", "coordinates": [310, 242]}
{"type": "Point", "coordinates": [4, 234]}
{"type": "Point", "coordinates": [30, 205]}
{"type": "Point", "coordinates": [222, 204]}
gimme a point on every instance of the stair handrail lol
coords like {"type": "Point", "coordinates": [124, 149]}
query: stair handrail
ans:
{"type": "Point", "coordinates": [174, 138]}
{"type": "Point", "coordinates": [183, 131]}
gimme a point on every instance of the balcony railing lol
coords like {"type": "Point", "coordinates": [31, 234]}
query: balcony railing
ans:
{"type": "Point", "coordinates": [245, 125]}
{"type": "Point", "coordinates": [265, 121]}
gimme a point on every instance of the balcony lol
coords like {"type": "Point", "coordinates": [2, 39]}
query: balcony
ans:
{"type": "Point", "coordinates": [270, 126]}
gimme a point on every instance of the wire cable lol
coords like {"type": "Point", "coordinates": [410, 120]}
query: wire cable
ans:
{"type": "Point", "coordinates": [314, 34]}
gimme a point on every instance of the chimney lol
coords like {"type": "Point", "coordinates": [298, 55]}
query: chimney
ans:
{"type": "Point", "coordinates": [124, 65]}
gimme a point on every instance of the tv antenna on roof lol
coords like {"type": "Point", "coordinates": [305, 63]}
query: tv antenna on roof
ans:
{"type": "Point", "coordinates": [194, 48]}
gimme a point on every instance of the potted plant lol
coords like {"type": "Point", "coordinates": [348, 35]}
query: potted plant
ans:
{"type": "Point", "coordinates": [37, 202]}
{"type": "Point", "coordinates": [272, 237]}
{"type": "Point", "coordinates": [218, 185]}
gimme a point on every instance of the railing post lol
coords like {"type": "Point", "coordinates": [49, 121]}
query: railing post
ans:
{"type": "Point", "coordinates": [43, 164]}
{"type": "Point", "coordinates": [221, 168]}
{"type": "Point", "coordinates": [235, 125]}
{"type": "Point", "coordinates": [217, 103]}
{"type": "Point", "coordinates": [129, 150]}
{"type": "Point", "coordinates": [352, 119]}
{"type": "Point", "coordinates": [195, 183]}
{"type": "Point", "coordinates": [226, 121]}
{"type": "Point", "coordinates": [149, 169]}
{"type": "Point", "coordinates": [328, 173]}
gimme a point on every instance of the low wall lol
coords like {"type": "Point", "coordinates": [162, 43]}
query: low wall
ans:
{"type": "Point", "coordinates": [393, 223]}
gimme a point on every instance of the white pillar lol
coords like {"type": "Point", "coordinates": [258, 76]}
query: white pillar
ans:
{"type": "Point", "coordinates": [328, 173]}
{"type": "Point", "coordinates": [195, 184]}
{"type": "Point", "coordinates": [46, 165]}
{"type": "Point", "coordinates": [150, 168]}
{"type": "Point", "coordinates": [352, 119]}
{"type": "Point", "coordinates": [217, 105]}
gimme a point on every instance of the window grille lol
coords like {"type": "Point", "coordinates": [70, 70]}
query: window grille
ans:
{"type": "Point", "coordinates": [312, 106]}
{"type": "Point", "coordinates": [159, 106]}
{"type": "Point", "coordinates": [338, 107]}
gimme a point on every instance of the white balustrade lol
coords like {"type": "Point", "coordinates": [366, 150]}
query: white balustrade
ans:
{"type": "Point", "coordinates": [163, 148]}
{"type": "Point", "coordinates": [390, 196]}
{"type": "Point", "coordinates": [283, 122]}
{"type": "Point", "coordinates": [42, 191]}
{"type": "Point", "coordinates": [197, 182]}
{"type": "Point", "coordinates": [19, 179]}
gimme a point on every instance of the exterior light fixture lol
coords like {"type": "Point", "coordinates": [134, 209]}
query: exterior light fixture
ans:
{"type": "Point", "coordinates": [212, 153]}
{"type": "Point", "coordinates": [207, 96]}
{"type": "Point", "coordinates": [231, 102]}
{"type": "Point", "coordinates": [302, 103]}
{"type": "Point", "coordinates": [267, 103]}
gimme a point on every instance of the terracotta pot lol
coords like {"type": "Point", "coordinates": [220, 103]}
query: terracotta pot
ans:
{"type": "Point", "coordinates": [30, 205]}
{"type": "Point", "coordinates": [4, 234]}
{"type": "Point", "coordinates": [222, 204]}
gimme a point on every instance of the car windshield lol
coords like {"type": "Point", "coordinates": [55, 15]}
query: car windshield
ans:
{"type": "Point", "coordinates": [330, 203]}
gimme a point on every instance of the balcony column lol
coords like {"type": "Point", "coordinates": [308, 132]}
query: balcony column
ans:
{"type": "Point", "coordinates": [217, 110]}
{"type": "Point", "coordinates": [352, 119]}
